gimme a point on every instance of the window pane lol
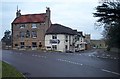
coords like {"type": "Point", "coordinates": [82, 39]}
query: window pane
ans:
{"type": "Point", "coordinates": [22, 34]}
{"type": "Point", "coordinates": [22, 44]}
{"type": "Point", "coordinates": [34, 34]}
{"type": "Point", "coordinates": [34, 26]}
{"type": "Point", "coordinates": [22, 26]}
{"type": "Point", "coordinates": [54, 36]}
{"type": "Point", "coordinates": [54, 47]}
{"type": "Point", "coordinates": [27, 34]}
{"type": "Point", "coordinates": [34, 44]}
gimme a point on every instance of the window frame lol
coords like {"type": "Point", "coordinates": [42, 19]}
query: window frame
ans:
{"type": "Point", "coordinates": [54, 47]}
{"type": "Point", "coordinates": [22, 26]}
{"type": "Point", "coordinates": [34, 34]}
{"type": "Point", "coordinates": [54, 36]}
{"type": "Point", "coordinates": [35, 44]}
{"type": "Point", "coordinates": [66, 38]}
{"type": "Point", "coordinates": [22, 44]}
{"type": "Point", "coordinates": [22, 34]}
{"type": "Point", "coordinates": [34, 25]}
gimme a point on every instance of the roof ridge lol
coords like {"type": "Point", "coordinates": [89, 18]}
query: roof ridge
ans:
{"type": "Point", "coordinates": [27, 18]}
{"type": "Point", "coordinates": [34, 14]}
{"type": "Point", "coordinates": [62, 26]}
{"type": "Point", "coordinates": [60, 29]}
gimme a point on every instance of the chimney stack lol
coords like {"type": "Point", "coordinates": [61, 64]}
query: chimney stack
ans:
{"type": "Point", "coordinates": [18, 14]}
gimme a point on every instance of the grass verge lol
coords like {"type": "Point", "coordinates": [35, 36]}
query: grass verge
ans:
{"type": "Point", "coordinates": [10, 71]}
{"type": "Point", "coordinates": [0, 69]}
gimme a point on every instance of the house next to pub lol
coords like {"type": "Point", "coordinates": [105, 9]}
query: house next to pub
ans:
{"type": "Point", "coordinates": [62, 38]}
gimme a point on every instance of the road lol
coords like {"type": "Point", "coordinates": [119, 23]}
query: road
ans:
{"type": "Point", "coordinates": [56, 64]}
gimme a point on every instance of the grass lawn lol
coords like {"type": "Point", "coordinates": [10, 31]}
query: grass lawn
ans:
{"type": "Point", "coordinates": [10, 71]}
{"type": "Point", "coordinates": [0, 69]}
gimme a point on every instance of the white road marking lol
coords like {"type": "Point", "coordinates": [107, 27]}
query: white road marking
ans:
{"type": "Point", "coordinates": [42, 56]}
{"type": "Point", "coordinates": [20, 53]}
{"type": "Point", "coordinates": [70, 62]}
{"type": "Point", "coordinates": [110, 72]}
{"type": "Point", "coordinates": [98, 56]}
{"type": "Point", "coordinates": [108, 55]}
{"type": "Point", "coordinates": [10, 52]}
{"type": "Point", "coordinates": [89, 55]}
{"type": "Point", "coordinates": [104, 57]}
{"type": "Point", "coordinates": [111, 57]}
{"type": "Point", "coordinates": [33, 55]}
{"type": "Point", "coordinates": [81, 64]}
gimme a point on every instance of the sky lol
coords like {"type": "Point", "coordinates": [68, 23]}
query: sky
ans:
{"type": "Point", "coordinates": [76, 14]}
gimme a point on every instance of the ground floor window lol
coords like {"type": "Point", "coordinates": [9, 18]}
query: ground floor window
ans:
{"type": "Point", "coordinates": [54, 47]}
{"type": "Point", "coordinates": [28, 46]}
{"type": "Point", "coordinates": [66, 47]}
{"type": "Point", "coordinates": [22, 44]}
{"type": "Point", "coordinates": [34, 44]}
{"type": "Point", "coordinates": [40, 45]}
{"type": "Point", "coordinates": [82, 45]}
{"type": "Point", "coordinates": [16, 44]}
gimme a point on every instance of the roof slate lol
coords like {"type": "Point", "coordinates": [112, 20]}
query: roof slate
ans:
{"type": "Point", "coordinates": [30, 18]}
{"type": "Point", "coordinates": [60, 29]}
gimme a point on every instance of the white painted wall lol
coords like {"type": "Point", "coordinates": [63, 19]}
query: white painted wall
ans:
{"type": "Point", "coordinates": [61, 45]}
{"type": "Point", "coordinates": [80, 41]}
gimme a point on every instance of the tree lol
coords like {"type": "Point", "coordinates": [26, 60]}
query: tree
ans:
{"type": "Point", "coordinates": [7, 39]}
{"type": "Point", "coordinates": [109, 17]}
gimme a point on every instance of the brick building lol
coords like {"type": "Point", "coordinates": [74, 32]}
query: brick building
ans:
{"type": "Point", "coordinates": [28, 31]}
{"type": "Point", "coordinates": [98, 43]}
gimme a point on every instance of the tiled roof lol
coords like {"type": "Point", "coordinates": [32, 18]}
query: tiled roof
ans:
{"type": "Point", "coordinates": [60, 29]}
{"type": "Point", "coordinates": [30, 18]}
{"type": "Point", "coordinates": [81, 34]}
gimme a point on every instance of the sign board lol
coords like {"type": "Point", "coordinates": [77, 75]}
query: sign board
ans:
{"type": "Point", "coordinates": [54, 41]}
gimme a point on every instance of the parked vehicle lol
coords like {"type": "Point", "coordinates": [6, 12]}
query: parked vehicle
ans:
{"type": "Point", "coordinates": [68, 51]}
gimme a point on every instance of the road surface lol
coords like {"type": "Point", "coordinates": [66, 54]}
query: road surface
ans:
{"type": "Point", "coordinates": [56, 64]}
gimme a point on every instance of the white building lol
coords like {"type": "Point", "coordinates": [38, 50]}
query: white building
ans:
{"type": "Point", "coordinates": [80, 43]}
{"type": "Point", "coordinates": [61, 38]}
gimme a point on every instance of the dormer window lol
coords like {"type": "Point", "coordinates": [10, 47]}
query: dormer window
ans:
{"type": "Point", "coordinates": [22, 26]}
{"type": "Point", "coordinates": [34, 25]}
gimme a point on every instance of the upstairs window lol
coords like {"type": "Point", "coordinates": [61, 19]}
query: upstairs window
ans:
{"type": "Point", "coordinates": [27, 34]}
{"type": "Point", "coordinates": [16, 44]}
{"type": "Point", "coordinates": [22, 34]}
{"type": "Point", "coordinates": [81, 39]}
{"type": "Point", "coordinates": [34, 25]}
{"type": "Point", "coordinates": [34, 34]}
{"type": "Point", "coordinates": [22, 26]}
{"type": "Point", "coordinates": [22, 44]}
{"type": "Point", "coordinates": [34, 44]}
{"type": "Point", "coordinates": [66, 38]}
{"type": "Point", "coordinates": [54, 36]}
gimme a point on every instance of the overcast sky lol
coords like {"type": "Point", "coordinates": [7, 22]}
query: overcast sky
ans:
{"type": "Point", "coordinates": [76, 14]}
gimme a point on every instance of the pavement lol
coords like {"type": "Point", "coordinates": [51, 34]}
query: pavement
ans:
{"type": "Point", "coordinates": [92, 63]}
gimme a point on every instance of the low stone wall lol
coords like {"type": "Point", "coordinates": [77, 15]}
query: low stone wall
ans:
{"type": "Point", "coordinates": [115, 50]}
